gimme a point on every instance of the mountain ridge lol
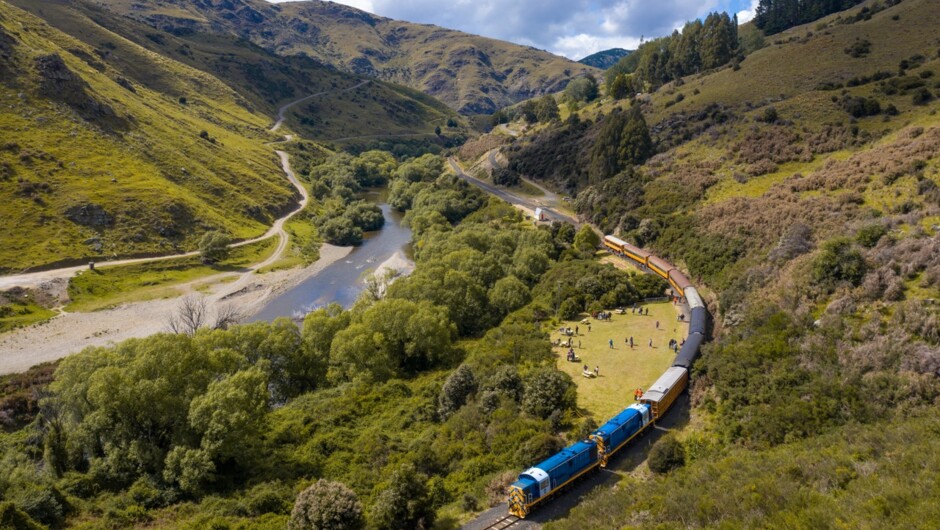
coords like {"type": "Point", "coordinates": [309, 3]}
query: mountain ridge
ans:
{"type": "Point", "coordinates": [604, 59]}
{"type": "Point", "coordinates": [472, 74]}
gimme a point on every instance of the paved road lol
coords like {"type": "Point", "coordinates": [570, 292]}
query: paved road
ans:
{"type": "Point", "coordinates": [506, 195]}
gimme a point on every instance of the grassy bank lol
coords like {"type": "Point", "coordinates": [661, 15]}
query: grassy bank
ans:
{"type": "Point", "coordinates": [111, 286]}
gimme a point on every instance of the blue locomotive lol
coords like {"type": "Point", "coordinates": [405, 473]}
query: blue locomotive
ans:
{"type": "Point", "coordinates": [538, 483]}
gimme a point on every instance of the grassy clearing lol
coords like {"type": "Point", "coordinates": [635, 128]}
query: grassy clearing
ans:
{"type": "Point", "coordinates": [622, 369]}
{"type": "Point", "coordinates": [110, 286]}
{"type": "Point", "coordinates": [21, 313]}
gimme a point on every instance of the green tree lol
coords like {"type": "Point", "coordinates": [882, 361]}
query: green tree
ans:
{"type": "Point", "coordinates": [586, 241]}
{"type": "Point", "coordinates": [214, 247]}
{"type": "Point", "coordinates": [546, 391]}
{"type": "Point", "coordinates": [394, 336]}
{"type": "Point", "coordinates": [508, 294]}
{"type": "Point", "coordinates": [620, 87]}
{"type": "Point", "coordinates": [623, 141]}
{"type": "Point", "coordinates": [319, 329]}
{"type": "Point", "coordinates": [373, 168]}
{"type": "Point", "coordinates": [547, 109]}
{"type": "Point", "coordinates": [404, 502]}
{"type": "Point", "coordinates": [583, 89]}
{"type": "Point", "coordinates": [189, 469]}
{"type": "Point", "coordinates": [326, 505]}
{"type": "Point", "coordinates": [341, 231]}
{"type": "Point", "coordinates": [667, 454]}
{"type": "Point", "coordinates": [460, 385]}
{"type": "Point", "coordinates": [230, 414]}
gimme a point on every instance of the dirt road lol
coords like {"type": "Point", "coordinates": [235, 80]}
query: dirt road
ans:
{"type": "Point", "coordinates": [71, 332]}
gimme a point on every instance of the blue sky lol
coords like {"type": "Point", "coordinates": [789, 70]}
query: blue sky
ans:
{"type": "Point", "coordinates": [573, 28]}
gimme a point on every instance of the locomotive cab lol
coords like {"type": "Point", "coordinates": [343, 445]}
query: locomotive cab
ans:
{"type": "Point", "coordinates": [532, 484]}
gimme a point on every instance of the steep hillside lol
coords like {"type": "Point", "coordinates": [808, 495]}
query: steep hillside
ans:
{"type": "Point", "coordinates": [471, 74]}
{"type": "Point", "coordinates": [97, 160]}
{"type": "Point", "coordinates": [606, 58]}
{"type": "Point", "coordinates": [802, 191]}
{"type": "Point", "coordinates": [262, 79]}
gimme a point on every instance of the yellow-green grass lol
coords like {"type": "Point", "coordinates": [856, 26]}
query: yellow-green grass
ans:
{"type": "Point", "coordinates": [159, 173]}
{"type": "Point", "coordinates": [111, 286]}
{"type": "Point", "coordinates": [20, 313]}
{"type": "Point", "coordinates": [304, 246]}
{"type": "Point", "coordinates": [622, 369]}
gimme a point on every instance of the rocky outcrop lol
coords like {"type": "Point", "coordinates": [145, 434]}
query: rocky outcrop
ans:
{"type": "Point", "coordinates": [59, 83]}
{"type": "Point", "coordinates": [90, 215]}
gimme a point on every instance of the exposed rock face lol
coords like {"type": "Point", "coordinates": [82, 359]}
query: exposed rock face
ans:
{"type": "Point", "coordinates": [90, 215]}
{"type": "Point", "coordinates": [59, 83]}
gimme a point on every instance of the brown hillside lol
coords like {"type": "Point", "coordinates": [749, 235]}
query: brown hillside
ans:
{"type": "Point", "coordinates": [471, 74]}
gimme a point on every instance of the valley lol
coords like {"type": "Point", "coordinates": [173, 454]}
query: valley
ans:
{"type": "Point", "coordinates": [352, 272]}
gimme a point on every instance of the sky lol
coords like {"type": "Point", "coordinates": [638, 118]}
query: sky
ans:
{"type": "Point", "coordinates": [572, 28]}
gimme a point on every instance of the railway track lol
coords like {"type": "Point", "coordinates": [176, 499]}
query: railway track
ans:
{"type": "Point", "coordinates": [507, 521]}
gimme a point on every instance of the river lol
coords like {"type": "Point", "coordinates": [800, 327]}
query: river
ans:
{"type": "Point", "coordinates": [342, 281]}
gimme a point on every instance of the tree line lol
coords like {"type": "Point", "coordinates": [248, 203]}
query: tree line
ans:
{"type": "Point", "coordinates": [774, 16]}
{"type": "Point", "coordinates": [700, 46]}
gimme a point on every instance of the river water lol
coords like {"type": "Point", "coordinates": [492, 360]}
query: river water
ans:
{"type": "Point", "coordinates": [341, 282]}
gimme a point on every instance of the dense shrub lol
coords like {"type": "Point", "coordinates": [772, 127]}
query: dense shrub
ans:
{"type": "Point", "coordinates": [214, 247]}
{"type": "Point", "coordinates": [859, 107]}
{"type": "Point", "coordinates": [869, 236]}
{"type": "Point", "coordinates": [667, 454]}
{"type": "Point", "coordinates": [404, 502]}
{"type": "Point", "coordinates": [838, 262]}
{"type": "Point", "coordinates": [460, 385]}
{"type": "Point", "coordinates": [546, 391]}
{"type": "Point", "coordinates": [326, 505]}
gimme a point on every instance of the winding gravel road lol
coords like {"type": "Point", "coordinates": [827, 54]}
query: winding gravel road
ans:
{"type": "Point", "coordinates": [34, 279]}
{"type": "Point", "coordinates": [511, 198]}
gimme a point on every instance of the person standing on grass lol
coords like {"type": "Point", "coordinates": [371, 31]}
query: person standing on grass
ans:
{"type": "Point", "coordinates": [597, 371]}
{"type": "Point", "coordinates": [631, 341]}
{"type": "Point", "coordinates": [611, 342]}
{"type": "Point", "coordinates": [657, 324]}
{"type": "Point", "coordinates": [651, 343]}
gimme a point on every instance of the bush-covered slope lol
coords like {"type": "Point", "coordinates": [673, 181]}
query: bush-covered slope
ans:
{"type": "Point", "coordinates": [471, 74]}
{"type": "Point", "coordinates": [803, 189]}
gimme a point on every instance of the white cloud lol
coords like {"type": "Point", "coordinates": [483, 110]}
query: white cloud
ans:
{"type": "Point", "coordinates": [573, 28]}
{"type": "Point", "coordinates": [582, 45]}
{"type": "Point", "coordinates": [746, 15]}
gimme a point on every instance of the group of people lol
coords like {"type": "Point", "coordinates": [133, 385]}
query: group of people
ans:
{"type": "Point", "coordinates": [675, 345]}
{"type": "Point", "coordinates": [637, 394]}
{"type": "Point", "coordinates": [587, 371]}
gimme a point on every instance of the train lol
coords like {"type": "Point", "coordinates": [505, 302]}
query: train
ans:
{"type": "Point", "coordinates": [536, 485]}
